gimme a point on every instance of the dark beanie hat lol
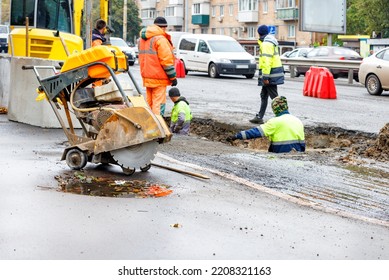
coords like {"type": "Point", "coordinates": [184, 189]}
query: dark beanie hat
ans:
{"type": "Point", "coordinates": [160, 21]}
{"type": "Point", "coordinates": [174, 92]}
{"type": "Point", "coordinates": [263, 30]}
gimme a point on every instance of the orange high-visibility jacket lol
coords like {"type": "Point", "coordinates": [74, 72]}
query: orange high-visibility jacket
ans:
{"type": "Point", "coordinates": [156, 58]}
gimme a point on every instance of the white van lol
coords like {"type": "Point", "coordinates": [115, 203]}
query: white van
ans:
{"type": "Point", "coordinates": [216, 55]}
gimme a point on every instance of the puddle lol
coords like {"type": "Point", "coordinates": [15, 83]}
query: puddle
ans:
{"type": "Point", "coordinates": [82, 184]}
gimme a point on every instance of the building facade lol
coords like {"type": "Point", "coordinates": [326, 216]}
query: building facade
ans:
{"type": "Point", "coordinates": [236, 18]}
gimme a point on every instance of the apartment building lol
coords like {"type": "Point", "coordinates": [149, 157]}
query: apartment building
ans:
{"type": "Point", "coordinates": [236, 18]}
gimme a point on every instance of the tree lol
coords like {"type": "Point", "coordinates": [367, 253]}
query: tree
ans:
{"type": "Point", "coordinates": [368, 16]}
{"type": "Point", "coordinates": [133, 20]}
{"type": "Point", "coordinates": [4, 11]}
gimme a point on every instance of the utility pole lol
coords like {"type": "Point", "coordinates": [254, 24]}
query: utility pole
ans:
{"type": "Point", "coordinates": [88, 25]}
{"type": "Point", "coordinates": [125, 20]}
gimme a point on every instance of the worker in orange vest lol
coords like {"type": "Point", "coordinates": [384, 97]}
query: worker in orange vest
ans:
{"type": "Point", "coordinates": [156, 60]}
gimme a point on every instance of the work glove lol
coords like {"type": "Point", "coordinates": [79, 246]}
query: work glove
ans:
{"type": "Point", "coordinates": [177, 129]}
{"type": "Point", "coordinates": [231, 138]}
{"type": "Point", "coordinates": [174, 82]}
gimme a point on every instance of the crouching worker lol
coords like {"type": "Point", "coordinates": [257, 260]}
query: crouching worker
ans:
{"type": "Point", "coordinates": [181, 114]}
{"type": "Point", "coordinates": [285, 132]}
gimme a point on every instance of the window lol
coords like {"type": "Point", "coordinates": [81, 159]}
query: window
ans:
{"type": "Point", "coordinates": [203, 47]}
{"type": "Point", "coordinates": [285, 4]}
{"type": "Point", "coordinates": [169, 11]}
{"type": "Point", "coordinates": [196, 9]}
{"type": "Point", "coordinates": [265, 7]}
{"type": "Point", "coordinates": [148, 14]}
{"type": "Point", "coordinates": [231, 9]}
{"type": "Point", "coordinates": [291, 31]}
{"type": "Point", "coordinates": [221, 10]}
{"type": "Point", "coordinates": [225, 46]}
{"type": "Point", "coordinates": [248, 5]}
{"type": "Point", "coordinates": [221, 31]}
{"type": "Point", "coordinates": [50, 14]}
{"type": "Point", "coordinates": [252, 31]}
{"type": "Point", "coordinates": [188, 44]}
{"type": "Point", "coordinates": [213, 11]}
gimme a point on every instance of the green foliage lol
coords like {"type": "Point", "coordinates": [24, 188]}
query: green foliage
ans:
{"type": "Point", "coordinates": [364, 17]}
{"type": "Point", "coordinates": [133, 20]}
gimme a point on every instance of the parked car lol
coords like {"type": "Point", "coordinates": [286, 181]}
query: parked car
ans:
{"type": "Point", "coordinates": [130, 53]}
{"type": "Point", "coordinates": [374, 72]}
{"type": "Point", "coordinates": [296, 53]}
{"type": "Point", "coordinates": [215, 55]}
{"type": "Point", "coordinates": [4, 32]}
{"type": "Point", "coordinates": [331, 53]}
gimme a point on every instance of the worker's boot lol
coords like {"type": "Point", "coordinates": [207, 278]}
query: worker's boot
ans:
{"type": "Point", "coordinates": [257, 120]}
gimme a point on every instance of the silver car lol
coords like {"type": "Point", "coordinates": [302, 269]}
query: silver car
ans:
{"type": "Point", "coordinates": [374, 72]}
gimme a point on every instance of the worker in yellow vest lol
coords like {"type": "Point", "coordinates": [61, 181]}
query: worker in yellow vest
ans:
{"type": "Point", "coordinates": [285, 131]}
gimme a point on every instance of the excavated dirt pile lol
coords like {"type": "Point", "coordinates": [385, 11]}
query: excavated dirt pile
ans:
{"type": "Point", "coordinates": [380, 148]}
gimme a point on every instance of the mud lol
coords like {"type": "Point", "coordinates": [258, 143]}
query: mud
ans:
{"type": "Point", "coordinates": [337, 143]}
{"type": "Point", "coordinates": [336, 171]}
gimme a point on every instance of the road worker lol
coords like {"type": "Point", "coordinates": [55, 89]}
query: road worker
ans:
{"type": "Point", "coordinates": [156, 61]}
{"type": "Point", "coordinates": [181, 114]}
{"type": "Point", "coordinates": [285, 131]}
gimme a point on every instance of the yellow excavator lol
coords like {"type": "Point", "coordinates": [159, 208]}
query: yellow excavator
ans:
{"type": "Point", "coordinates": [49, 29]}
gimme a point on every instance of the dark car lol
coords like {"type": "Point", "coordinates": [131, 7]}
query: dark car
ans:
{"type": "Point", "coordinates": [331, 53]}
{"type": "Point", "coordinates": [130, 53]}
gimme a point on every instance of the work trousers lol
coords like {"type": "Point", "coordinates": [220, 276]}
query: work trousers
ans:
{"type": "Point", "coordinates": [156, 98]}
{"type": "Point", "coordinates": [266, 92]}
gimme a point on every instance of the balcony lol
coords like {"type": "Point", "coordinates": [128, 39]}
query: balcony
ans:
{"type": "Point", "coordinates": [248, 16]}
{"type": "Point", "coordinates": [148, 4]}
{"type": "Point", "coordinates": [176, 2]}
{"type": "Point", "coordinates": [175, 18]}
{"type": "Point", "coordinates": [200, 19]}
{"type": "Point", "coordinates": [147, 21]}
{"type": "Point", "coordinates": [288, 14]}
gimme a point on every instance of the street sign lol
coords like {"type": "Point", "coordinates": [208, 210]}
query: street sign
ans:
{"type": "Point", "coordinates": [272, 29]}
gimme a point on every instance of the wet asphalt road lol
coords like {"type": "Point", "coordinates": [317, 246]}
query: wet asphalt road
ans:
{"type": "Point", "coordinates": [221, 218]}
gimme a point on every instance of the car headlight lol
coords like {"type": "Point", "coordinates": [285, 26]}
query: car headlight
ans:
{"type": "Point", "coordinates": [253, 61]}
{"type": "Point", "coordinates": [225, 60]}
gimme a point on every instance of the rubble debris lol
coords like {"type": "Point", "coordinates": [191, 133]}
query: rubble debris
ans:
{"type": "Point", "coordinates": [380, 149]}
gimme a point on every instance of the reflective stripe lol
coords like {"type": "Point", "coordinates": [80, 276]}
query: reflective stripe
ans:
{"type": "Point", "coordinates": [288, 142]}
{"type": "Point", "coordinates": [266, 54]}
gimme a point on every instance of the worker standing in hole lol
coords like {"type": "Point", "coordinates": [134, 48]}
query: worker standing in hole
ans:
{"type": "Point", "coordinates": [156, 61]}
{"type": "Point", "coordinates": [285, 131]}
{"type": "Point", "coordinates": [181, 115]}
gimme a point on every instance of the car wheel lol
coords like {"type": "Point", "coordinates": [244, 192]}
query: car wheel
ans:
{"type": "Point", "coordinates": [249, 76]}
{"type": "Point", "coordinates": [131, 63]}
{"type": "Point", "coordinates": [212, 71]}
{"type": "Point", "coordinates": [297, 73]}
{"type": "Point", "coordinates": [373, 85]}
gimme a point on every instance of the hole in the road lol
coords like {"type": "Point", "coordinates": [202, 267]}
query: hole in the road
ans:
{"type": "Point", "coordinates": [317, 138]}
{"type": "Point", "coordinates": [80, 183]}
